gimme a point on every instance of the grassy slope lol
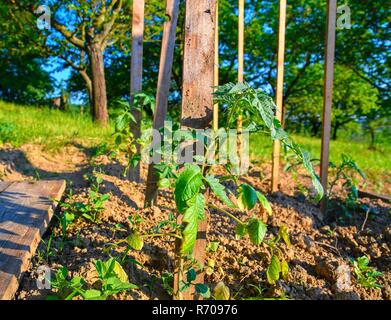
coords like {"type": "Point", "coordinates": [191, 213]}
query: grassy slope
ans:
{"type": "Point", "coordinates": [54, 129]}
{"type": "Point", "coordinates": [375, 163]}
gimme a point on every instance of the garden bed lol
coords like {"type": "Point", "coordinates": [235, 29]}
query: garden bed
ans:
{"type": "Point", "coordinates": [317, 250]}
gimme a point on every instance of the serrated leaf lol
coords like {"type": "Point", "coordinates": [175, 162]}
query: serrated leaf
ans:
{"type": "Point", "coordinates": [256, 230]}
{"type": "Point", "coordinates": [192, 215]}
{"type": "Point", "coordinates": [210, 267]}
{"type": "Point", "coordinates": [120, 272]}
{"type": "Point", "coordinates": [241, 230]}
{"type": "Point", "coordinates": [273, 270]}
{"type": "Point", "coordinates": [264, 203]}
{"type": "Point", "coordinates": [135, 240]}
{"type": "Point", "coordinates": [221, 291]}
{"type": "Point", "coordinates": [284, 269]}
{"type": "Point", "coordinates": [189, 237]}
{"type": "Point", "coordinates": [187, 185]}
{"type": "Point", "coordinates": [196, 208]}
{"type": "Point", "coordinates": [164, 183]}
{"type": "Point", "coordinates": [247, 197]}
{"type": "Point", "coordinates": [191, 275]}
{"type": "Point", "coordinates": [212, 246]}
{"type": "Point", "coordinates": [219, 190]}
{"type": "Point", "coordinates": [283, 233]}
{"type": "Point", "coordinates": [203, 290]}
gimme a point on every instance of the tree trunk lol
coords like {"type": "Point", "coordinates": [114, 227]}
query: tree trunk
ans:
{"type": "Point", "coordinates": [99, 95]}
{"type": "Point", "coordinates": [335, 130]}
{"type": "Point", "coordinates": [88, 82]}
{"type": "Point", "coordinates": [373, 136]}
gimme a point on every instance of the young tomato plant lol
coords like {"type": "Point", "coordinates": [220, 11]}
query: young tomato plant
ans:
{"type": "Point", "coordinates": [194, 183]}
{"type": "Point", "coordinates": [125, 142]}
{"type": "Point", "coordinates": [88, 210]}
{"type": "Point", "coordinates": [366, 275]}
{"type": "Point", "coordinates": [112, 279]}
{"type": "Point", "coordinates": [348, 175]}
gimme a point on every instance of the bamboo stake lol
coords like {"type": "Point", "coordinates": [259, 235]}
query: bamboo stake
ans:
{"type": "Point", "coordinates": [216, 70]}
{"type": "Point", "coordinates": [327, 97]}
{"type": "Point", "coordinates": [279, 93]}
{"type": "Point", "coordinates": [136, 74]}
{"type": "Point", "coordinates": [163, 88]}
{"type": "Point", "coordinates": [240, 73]}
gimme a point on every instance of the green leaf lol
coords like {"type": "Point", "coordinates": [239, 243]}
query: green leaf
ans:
{"type": "Point", "coordinates": [221, 291]}
{"type": "Point", "coordinates": [187, 185]}
{"type": "Point", "coordinates": [191, 275]}
{"type": "Point", "coordinates": [273, 271]}
{"type": "Point", "coordinates": [120, 272]}
{"type": "Point", "coordinates": [196, 208]}
{"type": "Point", "coordinates": [241, 230]}
{"type": "Point", "coordinates": [283, 233]}
{"type": "Point", "coordinates": [135, 240]}
{"type": "Point", "coordinates": [219, 190]}
{"type": "Point", "coordinates": [256, 230]}
{"type": "Point", "coordinates": [164, 183]}
{"type": "Point", "coordinates": [264, 203]}
{"type": "Point", "coordinates": [189, 237]}
{"type": "Point", "coordinates": [247, 197]}
{"type": "Point", "coordinates": [93, 295]}
{"type": "Point", "coordinates": [192, 215]}
{"type": "Point", "coordinates": [212, 246]}
{"type": "Point", "coordinates": [284, 269]}
{"type": "Point", "coordinates": [203, 290]}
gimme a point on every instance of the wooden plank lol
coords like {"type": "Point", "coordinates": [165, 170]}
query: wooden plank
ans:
{"type": "Point", "coordinates": [25, 212]}
{"type": "Point", "coordinates": [136, 74]}
{"type": "Point", "coordinates": [279, 92]}
{"type": "Point", "coordinates": [163, 88]}
{"type": "Point", "coordinates": [327, 96]}
{"type": "Point", "coordinates": [197, 96]}
{"type": "Point", "coordinates": [372, 195]}
{"type": "Point", "coordinates": [4, 185]}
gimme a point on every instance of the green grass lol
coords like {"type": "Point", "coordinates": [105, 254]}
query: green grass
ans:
{"type": "Point", "coordinates": [51, 128]}
{"type": "Point", "coordinates": [374, 163]}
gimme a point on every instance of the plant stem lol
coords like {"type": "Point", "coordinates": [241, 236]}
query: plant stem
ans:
{"type": "Point", "coordinates": [225, 212]}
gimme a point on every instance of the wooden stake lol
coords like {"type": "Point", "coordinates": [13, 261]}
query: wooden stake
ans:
{"type": "Point", "coordinates": [240, 73]}
{"type": "Point", "coordinates": [216, 70]}
{"type": "Point", "coordinates": [163, 88]}
{"type": "Point", "coordinates": [327, 96]}
{"type": "Point", "coordinates": [197, 96]}
{"type": "Point", "coordinates": [136, 74]}
{"type": "Point", "coordinates": [279, 93]}
{"type": "Point", "coordinates": [241, 41]}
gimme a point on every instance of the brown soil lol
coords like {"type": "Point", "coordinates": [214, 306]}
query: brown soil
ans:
{"type": "Point", "coordinates": [318, 248]}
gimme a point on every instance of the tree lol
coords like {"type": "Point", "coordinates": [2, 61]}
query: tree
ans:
{"type": "Point", "coordinates": [81, 32]}
{"type": "Point", "coordinates": [22, 78]}
{"type": "Point", "coordinates": [353, 99]}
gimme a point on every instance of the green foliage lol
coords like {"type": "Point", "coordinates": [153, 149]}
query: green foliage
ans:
{"type": "Point", "coordinates": [112, 280]}
{"type": "Point", "coordinates": [88, 210]}
{"type": "Point", "coordinates": [200, 288]}
{"type": "Point", "coordinates": [257, 109]}
{"type": "Point", "coordinates": [135, 241]}
{"type": "Point", "coordinates": [348, 175]}
{"type": "Point", "coordinates": [219, 190]}
{"type": "Point", "coordinates": [366, 275]}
